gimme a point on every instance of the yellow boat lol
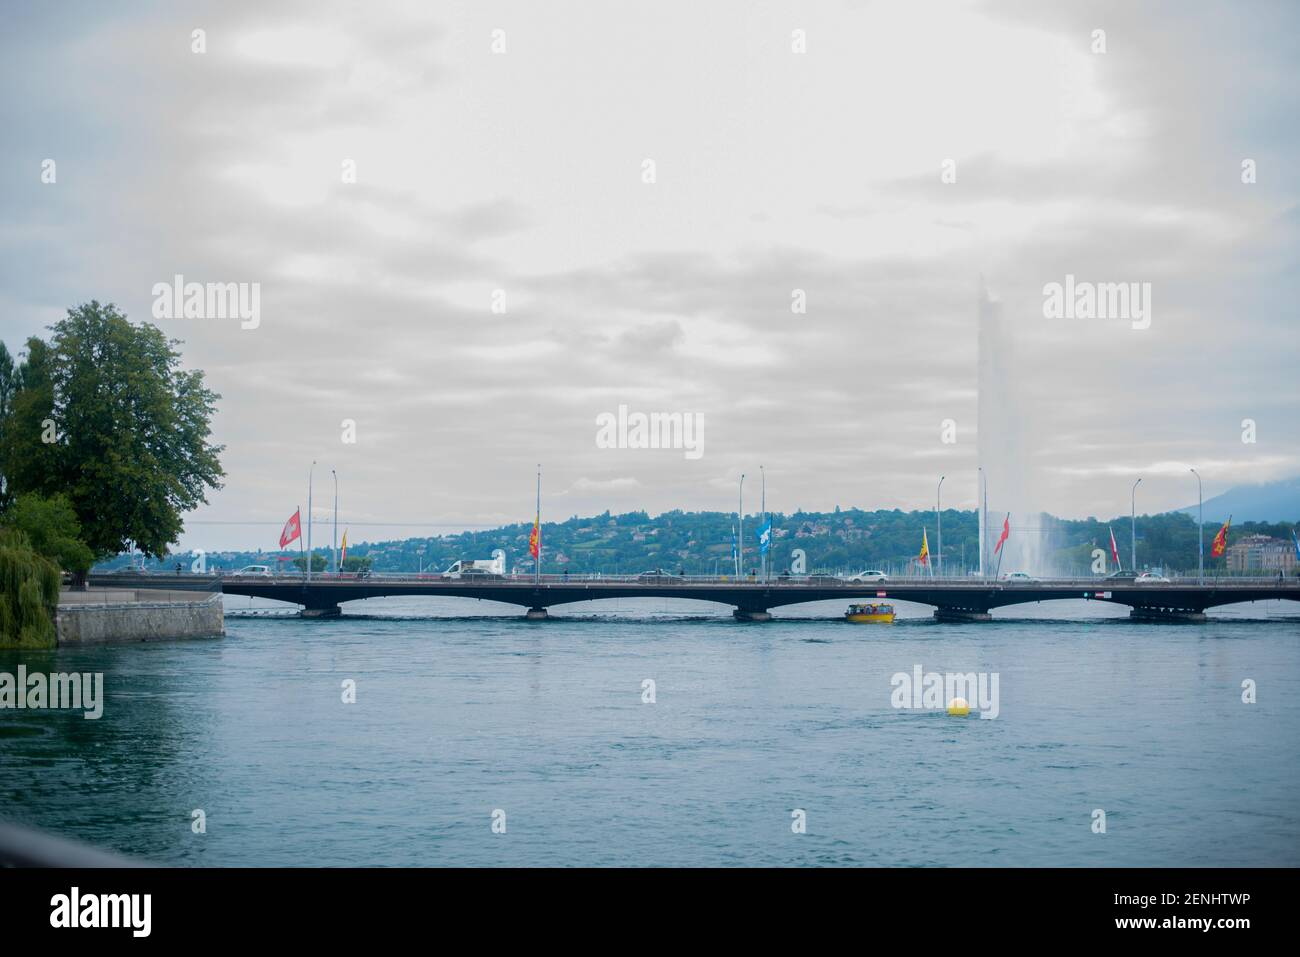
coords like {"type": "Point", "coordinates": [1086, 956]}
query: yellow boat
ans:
{"type": "Point", "coordinates": [878, 611]}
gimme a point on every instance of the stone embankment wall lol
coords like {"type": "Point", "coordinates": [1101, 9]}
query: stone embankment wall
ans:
{"type": "Point", "coordinates": [126, 616]}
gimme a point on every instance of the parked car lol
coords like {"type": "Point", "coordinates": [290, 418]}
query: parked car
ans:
{"type": "Point", "coordinates": [255, 571]}
{"type": "Point", "coordinates": [870, 575]}
{"type": "Point", "coordinates": [1151, 578]}
{"type": "Point", "coordinates": [1018, 578]}
{"type": "Point", "coordinates": [1122, 576]}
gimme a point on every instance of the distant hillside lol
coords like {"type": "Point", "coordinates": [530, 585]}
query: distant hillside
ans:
{"type": "Point", "coordinates": [1269, 502]}
{"type": "Point", "coordinates": [700, 542]}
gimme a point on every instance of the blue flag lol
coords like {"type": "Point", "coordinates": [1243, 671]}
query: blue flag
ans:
{"type": "Point", "coordinates": [765, 536]}
{"type": "Point", "coordinates": [1297, 544]}
{"type": "Point", "coordinates": [733, 544]}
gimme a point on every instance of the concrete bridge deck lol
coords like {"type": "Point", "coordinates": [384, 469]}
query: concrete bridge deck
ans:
{"type": "Point", "coordinates": [952, 598]}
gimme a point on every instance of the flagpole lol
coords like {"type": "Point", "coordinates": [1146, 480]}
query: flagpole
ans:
{"type": "Point", "coordinates": [336, 521]}
{"type": "Point", "coordinates": [537, 569]}
{"type": "Point", "coordinates": [763, 525]}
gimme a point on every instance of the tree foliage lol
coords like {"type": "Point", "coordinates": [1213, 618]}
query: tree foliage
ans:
{"type": "Point", "coordinates": [318, 563]}
{"type": "Point", "coordinates": [51, 526]}
{"type": "Point", "coordinates": [29, 594]}
{"type": "Point", "coordinates": [131, 443]}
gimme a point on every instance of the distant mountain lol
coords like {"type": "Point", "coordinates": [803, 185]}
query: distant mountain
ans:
{"type": "Point", "coordinates": [1269, 502]}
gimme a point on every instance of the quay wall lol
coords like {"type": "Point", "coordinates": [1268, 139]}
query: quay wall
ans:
{"type": "Point", "coordinates": [87, 622]}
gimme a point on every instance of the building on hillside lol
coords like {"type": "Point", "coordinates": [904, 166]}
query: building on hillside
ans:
{"type": "Point", "coordinates": [1262, 553]}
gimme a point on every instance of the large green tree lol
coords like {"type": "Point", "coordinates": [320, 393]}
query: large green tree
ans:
{"type": "Point", "coordinates": [51, 526]}
{"type": "Point", "coordinates": [106, 415]}
{"type": "Point", "coordinates": [27, 453]}
{"type": "Point", "coordinates": [8, 385]}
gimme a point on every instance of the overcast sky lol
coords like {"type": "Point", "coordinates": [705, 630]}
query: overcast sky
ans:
{"type": "Point", "coordinates": [523, 171]}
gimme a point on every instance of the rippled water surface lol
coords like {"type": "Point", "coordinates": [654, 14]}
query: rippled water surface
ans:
{"type": "Point", "coordinates": [463, 708]}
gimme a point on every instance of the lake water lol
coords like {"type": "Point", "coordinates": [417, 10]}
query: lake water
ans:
{"type": "Point", "coordinates": [463, 709]}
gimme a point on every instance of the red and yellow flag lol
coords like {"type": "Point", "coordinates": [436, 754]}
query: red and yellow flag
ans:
{"type": "Point", "coordinates": [1221, 540]}
{"type": "Point", "coordinates": [535, 539]}
{"type": "Point", "coordinates": [924, 557]}
{"type": "Point", "coordinates": [344, 557]}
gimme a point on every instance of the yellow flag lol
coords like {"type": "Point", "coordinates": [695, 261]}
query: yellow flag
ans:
{"type": "Point", "coordinates": [344, 557]}
{"type": "Point", "coordinates": [924, 557]}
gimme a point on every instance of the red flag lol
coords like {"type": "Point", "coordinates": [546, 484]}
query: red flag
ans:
{"type": "Point", "coordinates": [535, 539]}
{"type": "Point", "coordinates": [1221, 540]}
{"type": "Point", "coordinates": [1006, 530]}
{"type": "Point", "coordinates": [292, 529]}
{"type": "Point", "coordinates": [1114, 552]}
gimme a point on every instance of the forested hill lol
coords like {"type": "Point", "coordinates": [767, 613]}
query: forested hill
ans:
{"type": "Point", "coordinates": [839, 541]}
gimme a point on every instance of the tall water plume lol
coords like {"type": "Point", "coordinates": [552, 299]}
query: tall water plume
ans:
{"type": "Point", "coordinates": [1004, 427]}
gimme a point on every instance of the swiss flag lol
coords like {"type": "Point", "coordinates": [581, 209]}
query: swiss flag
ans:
{"type": "Point", "coordinates": [292, 529]}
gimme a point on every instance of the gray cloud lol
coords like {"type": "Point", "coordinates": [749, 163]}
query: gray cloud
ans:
{"type": "Point", "coordinates": [521, 173]}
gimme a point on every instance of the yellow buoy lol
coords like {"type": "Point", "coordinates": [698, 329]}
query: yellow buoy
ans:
{"type": "Point", "coordinates": [958, 707]}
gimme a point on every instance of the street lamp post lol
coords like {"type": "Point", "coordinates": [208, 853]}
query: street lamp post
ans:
{"type": "Point", "coordinates": [984, 517]}
{"type": "Point", "coordinates": [986, 510]}
{"type": "Point", "coordinates": [938, 522]}
{"type": "Point", "coordinates": [309, 478]}
{"type": "Point", "coordinates": [1200, 530]}
{"type": "Point", "coordinates": [1133, 508]}
{"type": "Point", "coordinates": [335, 545]}
{"type": "Point", "coordinates": [740, 537]}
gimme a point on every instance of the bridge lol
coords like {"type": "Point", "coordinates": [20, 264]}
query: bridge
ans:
{"type": "Point", "coordinates": [954, 599]}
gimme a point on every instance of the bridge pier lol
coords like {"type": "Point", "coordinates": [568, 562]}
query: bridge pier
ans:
{"type": "Point", "coordinates": [961, 614]}
{"type": "Point", "coordinates": [1166, 614]}
{"type": "Point", "coordinates": [330, 611]}
{"type": "Point", "coordinates": [536, 614]}
{"type": "Point", "coordinates": [752, 614]}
